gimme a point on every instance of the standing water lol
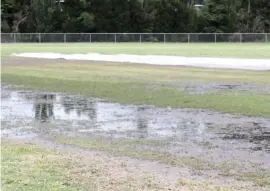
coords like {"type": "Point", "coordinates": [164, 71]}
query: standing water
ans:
{"type": "Point", "coordinates": [192, 132]}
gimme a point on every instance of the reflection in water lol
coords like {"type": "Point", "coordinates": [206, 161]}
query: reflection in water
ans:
{"type": "Point", "coordinates": [142, 123]}
{"type": "Point", "coordinates": [81, 106]}
{"type": "Point", "coordinates": [44, 107]}
{"type": "Point", "coordinates": [44, 111]}
{"type": "Point", "coordinates": [5, 95]}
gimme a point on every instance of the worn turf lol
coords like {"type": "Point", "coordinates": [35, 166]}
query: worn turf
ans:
{"type": "Point", "coordinates": [30, 166]}
{"type": "Point", "coordinates": [144, 84]}
{"type": "Point", "coordinates": [130, 148]}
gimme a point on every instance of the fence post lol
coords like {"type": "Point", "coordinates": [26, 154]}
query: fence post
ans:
{"type": "Point", "coordinates": [39, 38]}
{"type": "Point", "coordinates": [114, 37]}
{"type": "Point", "coordinates": [14, 37]}
{"type": "Point", "coordinates": [188, 38]}
{"type": "Point", "coordinates": [266, 40]}
{"type": "Point", "coordinates": [65, 37]}
{"type": "Point", "coordinates": [164, 37]}
{"type": "Point", "coordinates": [215, 37]}
{"type": "Point", "coordinates": [240, 37]}
{"type": "Point", "coordinates": [140, 37]}
{"type": "Point", "coordinates": [90, 37]}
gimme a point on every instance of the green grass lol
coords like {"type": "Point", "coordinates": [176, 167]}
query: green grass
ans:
{"type": "Point", "coordinates": [235, 50]}
{"type": "Point", "coordinates": [131, 84]}
{"type": "Point", "coordinates": [114, 72]}
{"type": "Point", "coordinates": [27, 167]}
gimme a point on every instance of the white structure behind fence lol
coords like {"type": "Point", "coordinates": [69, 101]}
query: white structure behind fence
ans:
{"type": "Point", "coordinates": [134, 37]}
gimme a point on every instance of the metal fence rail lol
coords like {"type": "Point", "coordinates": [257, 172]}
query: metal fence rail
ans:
{"type": "Point", "coordinates": [134, 37]}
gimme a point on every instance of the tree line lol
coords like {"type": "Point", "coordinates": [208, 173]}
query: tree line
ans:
{"type": "Point", "coordinates": [135, 16]}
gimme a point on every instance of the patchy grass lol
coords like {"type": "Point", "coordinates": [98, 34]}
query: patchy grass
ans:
{"type": "Point", "coordinates": [152, 142]}
{"type": "Point", "coordinates": [30, 167]}
{"type": "Point", "coordinates": [235, 50]}
{"type": "Point", "coordinates": [131, 148]}
{"type": "Point", "coordinates": [26, 167]}
{"type": "Point", "coordinates": [127, 83]}
{"type": "Point", "coordinates": [260, 178]}
{"type": "Point", "coordinates": [134, 92]}
{"type": "Point", "coordinates": [130, 73]}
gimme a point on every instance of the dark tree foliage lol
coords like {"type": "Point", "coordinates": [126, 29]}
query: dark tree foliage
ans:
{"type": "Point", "coordinates": [174, 16]}
{"type": "Point", "coordinates": [130, 16]}
{"type": "Point", "coordinates": [219, 16]}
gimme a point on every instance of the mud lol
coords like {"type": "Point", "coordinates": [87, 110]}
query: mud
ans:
{"type": "Point", "coordinates": [211, 136]}
{"type": "Point", "coordinates": [214, 87]}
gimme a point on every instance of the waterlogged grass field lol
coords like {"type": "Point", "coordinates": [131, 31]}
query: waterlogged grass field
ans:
{"type": "Point", "coordinates": [230, 50]}
{"type": "Point", "coordinates": [34, 166]}
{"type": "Point", "coordinates": [144, 84]}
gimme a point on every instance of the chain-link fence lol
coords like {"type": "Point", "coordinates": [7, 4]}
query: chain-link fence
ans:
{"type": "Point", "coordinates": [134, 37]}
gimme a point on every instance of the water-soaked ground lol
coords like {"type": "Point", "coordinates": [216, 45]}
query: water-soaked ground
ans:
{"type": "Point", "coordinates": [192, 132]}
{"type": "Point", "coordinates": [213, 87]}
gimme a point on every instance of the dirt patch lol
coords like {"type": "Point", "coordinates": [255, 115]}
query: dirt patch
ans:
{"type": "Point", "coordinates": [118, 173]}
{"type": "Point", "coordinates": [215, 87]}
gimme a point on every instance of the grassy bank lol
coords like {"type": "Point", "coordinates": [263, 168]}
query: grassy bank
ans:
{"type": "Point", "coordinates": [131, 84]}
{"type": "Point", "coordinates": [233, 50]}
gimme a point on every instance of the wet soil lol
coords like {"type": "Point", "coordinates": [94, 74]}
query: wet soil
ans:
{"type": "Point", "coordinates": [214, 87]}
{"type": "Point", "coordinates": [211, 136]}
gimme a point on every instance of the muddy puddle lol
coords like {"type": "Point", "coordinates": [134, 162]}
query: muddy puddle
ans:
{"type": "Point", "coordinates": [192, 132]}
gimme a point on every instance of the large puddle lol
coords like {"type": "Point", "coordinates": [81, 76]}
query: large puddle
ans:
{"type": "Point", "coordinates": [192, 131]}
